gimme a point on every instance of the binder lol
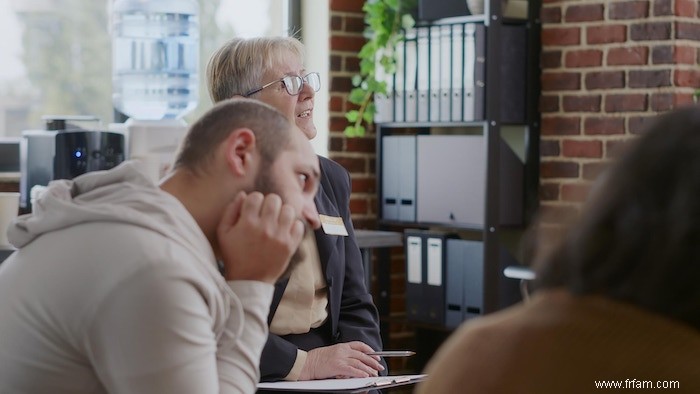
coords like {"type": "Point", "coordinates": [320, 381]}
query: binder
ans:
{"type": "Point", "coordinates": [407, 177]}
{"type": "Point", "coordinates": [391, 176]}
{"type": "Point", "coordinates": [415, 306]}
{"type": "Point", "coordinates": [513, 73]}
{"type": "Point", "coordinates": [435, 81]}
{"type": "Point", "coordinates": [472, 254]}
{"type": "Point", "coordinates": [423, 72]}
{"type": "Point", "coordinates": [446, 39]}
{"type": "Point", "coordinates": [479, 86]}
{"type": "Point", "coordinates": [399, 93]}
{"type": "Point", "coordinates": [410, 77]}
{"type": "Point", "coordinates": [383, 102]}
{"type": "Point", "coordinates": [454, 291]}
{"type": "Point", "coordinates": [434, 287]}
{"type": "Point", "coordinates": [457, 66]}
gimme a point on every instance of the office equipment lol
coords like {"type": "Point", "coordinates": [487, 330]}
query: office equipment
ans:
{"type": "Point", "coordinates": [426, 275]}
{"type": "Point", "coordinates": [415, 306]}
{"type": "Point", "coordinates": [398, 177]}
{"type": "Point", "coordinates": [351, 385]}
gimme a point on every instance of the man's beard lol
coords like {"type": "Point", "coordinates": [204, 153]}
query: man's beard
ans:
{"type": "Point", "coordinates": [265, 184]}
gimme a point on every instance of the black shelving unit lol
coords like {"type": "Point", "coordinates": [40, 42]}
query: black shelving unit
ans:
{"type": "Point", "coordinates": [488, 122]}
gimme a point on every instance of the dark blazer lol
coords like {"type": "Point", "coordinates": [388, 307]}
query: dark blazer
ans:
{"type": "Point", "coordinates": [352, 314]}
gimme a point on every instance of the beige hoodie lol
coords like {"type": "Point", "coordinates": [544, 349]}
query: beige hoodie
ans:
{"type": "Point", "coordinates": [115, 288]}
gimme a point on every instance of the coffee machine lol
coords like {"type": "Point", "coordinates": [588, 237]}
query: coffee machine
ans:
{"type": "Point", "coordinates": [65, 150]}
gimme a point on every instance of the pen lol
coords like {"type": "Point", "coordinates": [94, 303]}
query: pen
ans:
{"type": "Point", "coordinates": [392, 353]}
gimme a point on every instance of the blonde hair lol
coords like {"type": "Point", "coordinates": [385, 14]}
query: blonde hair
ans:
{"type": "Point", "coordinates": [239, 65]}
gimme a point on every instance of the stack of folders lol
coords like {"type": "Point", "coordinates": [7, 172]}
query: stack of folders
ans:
{"type": "Point", "coordinates": [439, 77]}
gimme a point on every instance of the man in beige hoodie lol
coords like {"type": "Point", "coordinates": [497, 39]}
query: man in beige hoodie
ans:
{"type": "Point", "coordinates": [115, 286]}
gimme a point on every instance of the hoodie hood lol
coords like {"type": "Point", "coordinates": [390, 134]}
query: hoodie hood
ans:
{"type": "Point", "coordinates": [121, 195]}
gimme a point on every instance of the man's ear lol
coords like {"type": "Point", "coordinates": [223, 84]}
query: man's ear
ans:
{"type": "Point", "coordinates": [239, 151]}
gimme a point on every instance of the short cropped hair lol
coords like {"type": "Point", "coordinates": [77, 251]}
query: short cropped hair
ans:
{"type": "Point", "coordinates": [239, 65]}
{"type": "Point", "coordinates": [272, 132]}
{"type": "Point", "coordinates": [638, 236]}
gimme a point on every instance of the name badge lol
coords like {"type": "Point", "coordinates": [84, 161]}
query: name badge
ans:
{"type": "Point", "coordinates": [333, 225]}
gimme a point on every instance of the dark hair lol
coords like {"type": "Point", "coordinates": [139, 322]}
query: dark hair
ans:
{"type": "Point", "coordinates": [272, 131]}
{"type": "Point", "coordinates": [638, 237]}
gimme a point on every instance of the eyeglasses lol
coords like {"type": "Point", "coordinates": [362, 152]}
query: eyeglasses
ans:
{"type": "Point", "coordinates": [293, 84]}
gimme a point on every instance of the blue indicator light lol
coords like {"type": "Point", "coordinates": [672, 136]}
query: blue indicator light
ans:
{"type": "Point", "coordinates": [78, 153]}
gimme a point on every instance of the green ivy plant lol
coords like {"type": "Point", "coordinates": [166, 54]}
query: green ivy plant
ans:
{"type": "Point", "coordinates": [385, 22]}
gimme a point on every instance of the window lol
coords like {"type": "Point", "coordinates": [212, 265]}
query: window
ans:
{"type": "Point", "coordinates": [57, 54]}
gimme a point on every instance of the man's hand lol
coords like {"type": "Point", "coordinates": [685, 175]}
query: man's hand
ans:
{"type": "Point", "coordinates": [342, 360]}
{"type": "Point", "coordinates": [257, 235]}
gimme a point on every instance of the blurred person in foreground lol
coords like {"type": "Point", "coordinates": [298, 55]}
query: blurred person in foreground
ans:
{"type": "Point", "coordinates": [116, 285]}
{"type": "Point", "coordinates": [617, 301]}
{"type": "Point", "coordinates": [322, 319]}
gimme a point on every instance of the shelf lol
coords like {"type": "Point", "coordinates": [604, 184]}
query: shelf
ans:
{"type": "Point", "coordinates": [454, 226]}
{"type": "Point", "coordinates": [396, 125]}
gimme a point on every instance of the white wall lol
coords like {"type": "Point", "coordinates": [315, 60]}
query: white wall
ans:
{"type": "Point", "coordinates": [315, 22]}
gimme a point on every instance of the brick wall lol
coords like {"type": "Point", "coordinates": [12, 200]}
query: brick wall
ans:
{"type": "Point", "coordinates": [357, 155]}
{"type": "Point", "coordinates": [607, 67]}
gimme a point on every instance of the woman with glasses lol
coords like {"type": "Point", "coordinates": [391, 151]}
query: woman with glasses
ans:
{"type": "Point", "coordinates": [322, 318]}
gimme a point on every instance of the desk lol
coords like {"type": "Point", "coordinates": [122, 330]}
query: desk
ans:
{"type": "Point", "coordinates": [368, 240]}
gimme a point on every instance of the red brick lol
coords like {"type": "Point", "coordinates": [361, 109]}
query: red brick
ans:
{"type": "Point", "coordinates": [575, 148]}
{"type": "Point", "coordinates": [336, 104]}
{"type": "Point", "coordinates": [686, 78]}
{"type": "Point", "coordinates": [336, 63]}
{"type": "Point", "coordinates": [358, 206]}
{"type": "Point", "coordinates": [346, 5]}
{"type": "Point", "coordinates": [549, 103]}
{"type": "Point", "coordinates": [661, 101]}
{"type": "Point", "coordinates": [559, 169]}
{"type": "Point", "coordinates": [662, 54]}
{"type": "Point", "coordinates": [549, 192]}
{"type": "Point", "coordinates": [336, 23]}
{"type": "Point", "coordinates": [629, 10]}
{"type": "Point", "coordinates": [606, 34]}
{"type": "Point", "coordinates": [687, 8]}
{"type": "Point", "coordinates": [584, 13]}
{"type": "Point", "coordinates": [684, 54]}
{"type": "Point", "coordinates": [561, 125]}
{"type": "Point", "coordinates": [590, 171]}
{"type": "Point", "coordinates": [354, 24]}
{"type": "Point", "coordinates": [560, 36]}
{"type": "Point", "coordinates": [605, 125]}
{"type": "Point", "coordinates": [354, 165]}
{"type": "Point", "coordinates": [549, 148]}
{"type": "Point", "coordinates": [341, 84]}
{"type": "Point", "coordinates": [589, 103]}
{"type": "Point", "coordinates": [335, 144]}
{"type": "Point", "coordinates": [632, 56]}
{"type": "Point", "coordinates": [639, 124]}
{"type": "Point", "coordinates": [352, 64]}
{"type": "Point", "coordinates": [649, 78]}
{"type": "Point", "coordinates": [650, 31]}
{"type": "Point", "coordinates": [364, 184]}
{"type": "Point", "coordinates": [605, 80]}
{"type": "Point", "coordinates": [347, 43]}
{"type": "Point", "coordinates": [625, 103]}
{"type": "Point", "coordinates": [551, 59]}
{"type": "Point", "coordinates": [575, 192]}
{"type": "Point", "coordinates": [584, 58]}
{"type": "Point", "coordinates": [688, 31]}
{"type": "Point", "coordinates": [556, 81]}
{"type": "Point", "coordinates": [337, 123]}
{"type": "Point", "coordinates": [663, 7]}
{"type": "Point", "coordinates": [550, 14]}
{"type": "Point", "coordinates": [360, 144]}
